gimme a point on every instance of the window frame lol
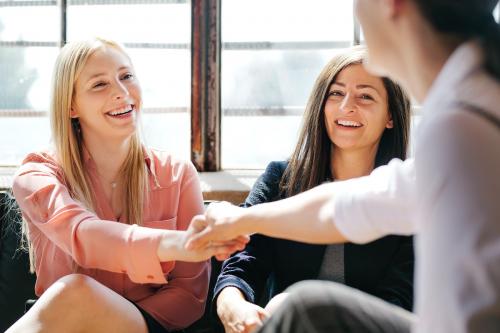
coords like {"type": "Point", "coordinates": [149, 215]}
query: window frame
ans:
{"type": "Point", "coordinates": [206, 47]}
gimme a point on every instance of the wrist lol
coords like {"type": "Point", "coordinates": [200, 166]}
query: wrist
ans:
{"type": "Point", "coordinates": [227, 297]}
{"type": "Point", "coordinates": [171, 246]}
{"type": "Point", "coordinates": [249, 221]}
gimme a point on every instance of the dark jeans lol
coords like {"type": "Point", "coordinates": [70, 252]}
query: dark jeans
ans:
{"type": "Point", "coordinates": [321, 306]}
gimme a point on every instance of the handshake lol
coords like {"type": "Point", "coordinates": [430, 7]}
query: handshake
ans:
{"type": "Point", "coordinates": [219, 232]}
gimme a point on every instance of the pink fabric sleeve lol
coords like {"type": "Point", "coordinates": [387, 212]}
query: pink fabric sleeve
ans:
{"type": "Point", "coordinates": [182, 301]}
{"type": "Point", "coordinates": [45, 202]}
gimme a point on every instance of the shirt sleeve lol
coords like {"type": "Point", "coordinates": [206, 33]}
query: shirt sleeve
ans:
{"type": "Point", "coordinates": [368, 208]}
{"type": "Point", "coordinates": [182, 301]}
{"type": "Point", "coordinates": [47, 205]}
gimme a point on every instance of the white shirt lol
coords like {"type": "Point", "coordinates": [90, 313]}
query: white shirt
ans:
{"type": "Point", "coordinates": [449, 195]}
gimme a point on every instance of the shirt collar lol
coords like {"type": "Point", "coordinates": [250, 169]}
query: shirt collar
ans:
{"type": "Point", "coordinates": [467, 58]}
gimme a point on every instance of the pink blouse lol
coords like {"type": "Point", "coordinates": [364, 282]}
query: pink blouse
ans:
{"type": "Point", "coordinates": [120, 256]}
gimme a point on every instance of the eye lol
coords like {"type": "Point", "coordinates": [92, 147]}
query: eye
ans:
{"type": "Point", "coordinates": [335, 93]}
{"type": "Point", "coordinates": [128, 76]}
{"type": "Point", "coordinates": [367, 97]}
{"type": "Point", "coordinates": [99, 84]}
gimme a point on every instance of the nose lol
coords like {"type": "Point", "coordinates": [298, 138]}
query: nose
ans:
{"type": "Point", "coordinates": [120, 91]}
{"type": "Point", "coordinates": [348, 103]}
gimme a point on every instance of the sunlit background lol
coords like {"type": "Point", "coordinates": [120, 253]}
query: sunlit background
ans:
{"type": "Point", "coordinates": [272, 51]}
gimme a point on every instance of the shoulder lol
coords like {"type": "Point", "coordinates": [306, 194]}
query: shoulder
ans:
{"type": "Point", "coordinates": [266, 187]}
{"type": "Point", "coordinates": [169, 169]}
{"type": "Point", "coordinates": [38, 171]}
{"type": "Point", "coordinates": [275, 170]}
{"type": "Point", "coordinates": [44, 161]}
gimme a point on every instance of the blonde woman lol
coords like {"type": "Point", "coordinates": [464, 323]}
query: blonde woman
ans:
{"type": "Point", "coordinates": [106, 218]}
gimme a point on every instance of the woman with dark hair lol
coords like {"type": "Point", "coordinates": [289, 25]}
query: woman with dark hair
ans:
{"type": "Point", "coordinates": [447, 54]}
{"type": "Point", "coordinates": [352, 123]}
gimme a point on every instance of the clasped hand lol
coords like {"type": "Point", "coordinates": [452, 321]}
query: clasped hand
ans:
{"type": "Point", "coordinates": [218, 226]}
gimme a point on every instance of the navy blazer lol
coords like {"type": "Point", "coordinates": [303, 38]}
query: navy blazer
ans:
{"type": "Point", "coordinates": [267, 266]}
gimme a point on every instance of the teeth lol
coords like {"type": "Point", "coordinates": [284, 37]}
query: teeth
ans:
{"type": "Point", "coordinates": [120, 111]}
{"type": "Point", "coordinates": [348, 123]}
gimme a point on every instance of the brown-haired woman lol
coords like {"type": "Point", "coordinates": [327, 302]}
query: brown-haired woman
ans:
{"type": "Point", "coordinates": [353, 123]}
{"type": "Point", "coordinates": [447, 54]}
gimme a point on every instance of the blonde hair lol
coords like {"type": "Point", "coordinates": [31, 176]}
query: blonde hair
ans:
{"type": "Point", "coordinates": [67, 136]}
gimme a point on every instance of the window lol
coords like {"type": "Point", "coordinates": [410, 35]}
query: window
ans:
{"type": "Point", "coordinates": [272, 51]}
{"type": "Point", "coordinates": [30, 35]}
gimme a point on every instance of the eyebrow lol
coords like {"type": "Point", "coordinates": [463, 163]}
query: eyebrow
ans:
{"type": "Point", "coordinates": [101, 74]}
{"type": "Point", "coordinates": [359, 86]}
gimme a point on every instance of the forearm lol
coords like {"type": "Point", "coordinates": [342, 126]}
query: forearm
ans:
{"type": "Point", "coordinates": [306, 217]}
{"type": "Point", "coordinates": [171, 246]}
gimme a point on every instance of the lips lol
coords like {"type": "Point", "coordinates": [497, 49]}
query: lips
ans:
{"type": "Point", "coordinates": [348, 123]}
{"type": "Point", "coordinates": [121, 111]}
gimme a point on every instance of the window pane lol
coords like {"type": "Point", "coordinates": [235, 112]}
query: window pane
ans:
{"type": "Point", "coordinates": [285, 20]}
{"type": "Point", "coordinates": [22, 135]}
{"type": "Point", "coordinates": [273, 78]}
{"type": "Point", "coordinates": [253, 142]}
{"type": "Point", "coordinates": [169, 132]}
{"type": "Point", "coordinates": [151, 23]}
{"type": "Point", "coordinates": [164, 71]}
{"type": "Point", "coordinates": [165, 76]}
{"type": "Point", "coordinates": [25, 76]}
{"type": "Point", "coordinates": [165, 81]}
{"type": "Point", "coordinates": [35, 24]}
{"type": "Point", "coordinates": [274, 82]}
{"type": "Point", "coordinates": [268, 71]}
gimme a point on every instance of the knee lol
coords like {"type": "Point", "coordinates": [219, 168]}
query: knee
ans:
{"type": "Point", "coordinates": [307, 289]}
{"type": "Point", "coordinates": [315, 294]}
{"type": "Point", "coordinates": [74, 288]}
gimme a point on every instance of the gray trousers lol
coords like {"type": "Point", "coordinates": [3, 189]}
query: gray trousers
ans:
{"type": "Point", "coordinates": [321, 306]}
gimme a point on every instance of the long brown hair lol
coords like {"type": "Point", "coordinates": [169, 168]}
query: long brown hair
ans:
{"type": "Point", "coordinates": [309, 164]}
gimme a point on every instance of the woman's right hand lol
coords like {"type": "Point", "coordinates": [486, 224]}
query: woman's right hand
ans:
{"type": "Point", "coordinates": [236, 314]}
{"type": "Point", "coordinates": [173, 246]}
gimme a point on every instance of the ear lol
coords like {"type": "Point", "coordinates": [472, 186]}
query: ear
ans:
{"type": "Point", "coordinates": [393, 8]}
{"type": "Point", "coordinates": [73, 113]}
{"type": "Point", "coordinates": [390, 124]}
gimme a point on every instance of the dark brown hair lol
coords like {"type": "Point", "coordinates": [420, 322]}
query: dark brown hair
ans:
{"type": "Point", "coordinates": [309, 164]}
{"type": "Point", "coordinates": [467, 19]}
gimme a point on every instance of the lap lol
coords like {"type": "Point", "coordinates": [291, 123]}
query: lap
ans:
{"type": "Point", "coordinates": [321, 306]}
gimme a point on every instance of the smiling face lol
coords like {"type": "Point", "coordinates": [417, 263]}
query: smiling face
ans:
{"type": "Point", "coordinates": [107, 96]}
{"type": "Point", "coordinates": [356, 109]}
